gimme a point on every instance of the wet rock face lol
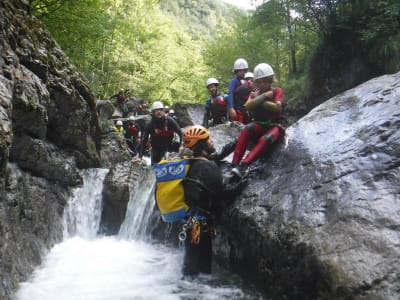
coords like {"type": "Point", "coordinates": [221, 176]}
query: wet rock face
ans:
{"type": "Point", "coordinates": [48, 129]}
{"type": "Point", "coordinates": [320, 219]}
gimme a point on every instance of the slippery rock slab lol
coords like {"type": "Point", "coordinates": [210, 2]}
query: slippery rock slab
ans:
{"type": "Point", "coordinates": [322, 220]}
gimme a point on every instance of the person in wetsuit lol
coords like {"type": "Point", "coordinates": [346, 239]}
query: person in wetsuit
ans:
{"type": "Point", "coordinates": [265, 106]}
{"type": "Point", "coordinates": [206, 194]}
{"type": "Point", "coordinates": [161, 131]}
{"type": "Point", "coordinates": [216, 107]}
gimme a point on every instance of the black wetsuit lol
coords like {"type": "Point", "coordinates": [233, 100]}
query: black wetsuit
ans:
{"type": "Point", "coordinates": [203, 200]}
{"type": "Point", "coordinates": [161, 132]}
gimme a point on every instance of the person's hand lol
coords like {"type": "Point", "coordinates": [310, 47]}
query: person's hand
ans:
{"type": "Point", "coordinates": [232, 113]}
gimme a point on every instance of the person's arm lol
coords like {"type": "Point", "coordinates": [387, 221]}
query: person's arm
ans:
{"type": "Point", "coordinates": [231, 98]}
{"type": "Point", "coordinates": [207, 112]}
{"type": "Point", "coordinates": [275, 104]}
{"type": "Point", "coordinates": [226, 99]}
{"type": "Point", "coordinates": [175, 127]}
{"type": "Point", "coordinates": [227, 149]}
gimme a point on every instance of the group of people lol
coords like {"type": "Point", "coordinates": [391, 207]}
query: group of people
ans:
{"type": "Point", "coordinates": [158, 135]}
{"type": "Point", "coordinates": [129, 105]}
{"type": "Point", "coordinates": [130, 132]}
{"type": "Point", "coordinates": [252, 100]}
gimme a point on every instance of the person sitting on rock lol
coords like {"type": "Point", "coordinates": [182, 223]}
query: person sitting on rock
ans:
{"type": "Point", "coordinates": [161, 130]}
{"type": "Point", "coordinates": [239, 92]}
{"type": "Point", "coordinates": [265, 106]}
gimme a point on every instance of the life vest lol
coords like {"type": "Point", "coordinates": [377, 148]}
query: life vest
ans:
{"type": "Point", "coordinates": [169, 192]}
{"type": "Point", "coordinates": [132, 131]}
{"type": "Point", "coordinates": [162, 137]}
{"type": "Point", "coordinates": [241, 95]}
{"type": "Point", "coordinates": [218, 107]}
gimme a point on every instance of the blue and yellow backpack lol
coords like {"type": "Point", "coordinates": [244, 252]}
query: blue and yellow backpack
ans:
{"type": "Point", "coordinates": [169, 192]}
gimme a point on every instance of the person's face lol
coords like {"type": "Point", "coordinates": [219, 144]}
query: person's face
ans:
{"type": "Point", "coordinates": [264, 84]}
{"type": "Point", "coordinates": [240, 73]}
{"type": "Point", "coordinates": [213, 88]}
{"type": "Point", "coordinates": [158, 113]}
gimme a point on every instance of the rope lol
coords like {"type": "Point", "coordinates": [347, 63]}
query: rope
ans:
{"type": "Point", "coordinates": [196, 230]}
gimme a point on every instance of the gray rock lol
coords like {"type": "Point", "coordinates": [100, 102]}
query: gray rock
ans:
{"type": "Point", "coordinates": [48, 129]}
{"type": "Point", "coordinates": [321, 220]}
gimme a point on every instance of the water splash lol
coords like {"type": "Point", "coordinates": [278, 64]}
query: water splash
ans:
{"type": "Point", "coordinates": [82, 213]}
{"type": "Point", "coordinates": [88, 267]}
{"type": "Point", "coordinates": [140, 207]}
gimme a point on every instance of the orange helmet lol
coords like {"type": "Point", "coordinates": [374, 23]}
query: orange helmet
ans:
{"type": "Point", "coordinates": [193, 134]}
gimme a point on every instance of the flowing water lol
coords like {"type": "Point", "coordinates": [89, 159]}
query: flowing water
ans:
{"type": "Point", "coordinates": [127, 266]}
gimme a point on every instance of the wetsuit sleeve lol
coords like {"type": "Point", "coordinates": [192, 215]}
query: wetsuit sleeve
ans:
{"type": "Point", "coordinates": [231, 94]}
{"type": "Point", "coordinates": [207, 111]}
{"type": "Point", "coordinates": [206, 118]}
{"type": "Point", "coordinates": [278, 95]}
{"type": "Point", "coordinates": [174, 125]}
{"type": "Point", "coordinates": [144, 139]}
{"type": "Point", "coordinates": [226, 99]}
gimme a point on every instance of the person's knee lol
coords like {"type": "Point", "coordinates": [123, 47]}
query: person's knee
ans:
{"type": "Point", "coordinates": [269, 138]}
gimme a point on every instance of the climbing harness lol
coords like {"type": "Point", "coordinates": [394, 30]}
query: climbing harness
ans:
{"type": "Point", "coordinates": [197, 226]}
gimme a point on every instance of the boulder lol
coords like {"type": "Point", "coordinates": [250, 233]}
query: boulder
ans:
{"type": "Point", "coordinates": [320, 218]}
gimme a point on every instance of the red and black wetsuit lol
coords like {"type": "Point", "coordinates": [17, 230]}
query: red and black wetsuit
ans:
{"type": "Point", "coordinates": [264, 130]}
{"type": "Point", "coordinates": [216, 108]}
{"type": "Point", "coordinates": [131, 138]}
{"type": "Point", "coordinates": [161, 132]}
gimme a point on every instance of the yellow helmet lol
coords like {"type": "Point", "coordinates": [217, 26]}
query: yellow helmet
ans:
{"type": "Point", "coordinates": [193, 134]}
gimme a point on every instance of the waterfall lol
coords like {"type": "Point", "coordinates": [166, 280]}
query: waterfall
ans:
{"type": "Point", "coordinates": [85, 266]}
{"type": "Point", "coordinates": [82, 213]}
{"type": "Point", "coordinates": [140, 207]}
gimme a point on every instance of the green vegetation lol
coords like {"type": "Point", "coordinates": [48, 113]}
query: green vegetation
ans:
{"type": "Point", "coordinates": [166, 49]}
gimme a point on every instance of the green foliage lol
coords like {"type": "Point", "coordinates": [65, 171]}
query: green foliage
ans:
{"type": "Point", "coordinates": [134, 45]}
{"type": "Point", "coordinates": [276, 34]}
{"type": "Point", "coordinates": [166, 49]}
{"type": "Point", "coordinates": [359, 40]}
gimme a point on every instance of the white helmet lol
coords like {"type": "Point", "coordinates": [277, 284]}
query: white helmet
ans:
{"type": "Point", "coordinates": [119, 123]}
{"type": "Point", "coordinates": [263, 70]}
{"type": "Point", "coordinates": [171, 111]}
{"type": "Point", "coordinates": [131, 118]}
{"type": "Point", "coordinates": [249, 75]}
{"type": "Point", "coordinates": [212, 81]}
{"type": "Point", "coordinates": [240, 64]}
{"type": "Point", "coordinates": [157, 105]}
